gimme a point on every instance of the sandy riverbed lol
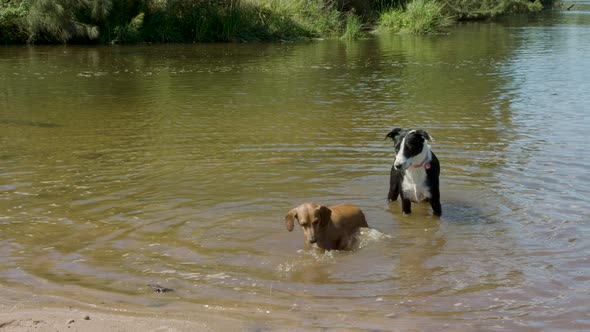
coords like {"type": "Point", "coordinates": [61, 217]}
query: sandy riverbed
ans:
{"type": "Point", "coordinates": [68, 318]}
{"type": "Point", "coordinates": [24, 311]}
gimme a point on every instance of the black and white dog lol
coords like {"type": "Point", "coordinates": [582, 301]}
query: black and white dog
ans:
{"type": "Point", "coordinates": [415, 170]}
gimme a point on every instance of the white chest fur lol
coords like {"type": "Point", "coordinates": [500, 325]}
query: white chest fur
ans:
{"type": "Point", "coordinates": [414, 184]}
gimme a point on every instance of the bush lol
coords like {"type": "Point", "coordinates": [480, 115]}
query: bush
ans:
{"type": "Point", "coordinates": [13, 21]}
{"type": "Point", "coordinates": [85, 20]}
{"type": "Point", "coordinates": [475, 9]}
{"type": "Point", "coordinates": [130, 32]}
{"type": "Point", "coordinates": [56, 21]}
{"type": "Point", "coordinates": [95, 21]}
{"type": "Point", "coordinates": [320, 18]}
{"type": "Point", "coordinates": [393, 20]}
{"type": "Point", "coordinates": [192, 20]}
{"type": "Point", "coordinates": [419, 17]}
{"type": "Point", "coordinates": [426, 16]}
{"type": "Point", "coordinates": [354, 28]}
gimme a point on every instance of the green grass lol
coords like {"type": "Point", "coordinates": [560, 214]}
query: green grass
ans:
{"type": "Point", "coordinates": [186, 21]}
{"type": "Point", "coordinates": [354, 28]}
{"type": "Point", "coordinates": [474, 10]}
{"type": "Point", "coordinates": [241, 20]}
{"type": "Point", "coordinates": [392, 19]}
{"type": "Point", "coordinates": [112, 21]}
{"type": "Point", "coordinates": [317, 18]}
{"type": "Point", "coordinates": [426, 16]}
{"type": "Point", "coordinates": [419, 17]}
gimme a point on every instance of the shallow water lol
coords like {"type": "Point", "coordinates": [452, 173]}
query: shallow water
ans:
{"type": "Point", "coordinates": [175, 165]}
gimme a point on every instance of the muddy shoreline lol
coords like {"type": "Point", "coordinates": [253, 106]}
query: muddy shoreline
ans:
{"type": "Point", "coordinates": [23, 311]}
{"type": "Point", "coordinates": [73, 318]}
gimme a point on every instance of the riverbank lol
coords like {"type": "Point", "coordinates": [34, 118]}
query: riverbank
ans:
{"type": "Point", "coordinates": [78, 319]}
{"type": "Point", "coordinates": [50, 313]}
{"type": "Point", "coordinates": [165, 21]}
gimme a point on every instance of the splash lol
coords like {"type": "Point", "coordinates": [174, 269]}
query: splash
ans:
{"type": "Point", "coordinates": [368, 236]}
{"type": "Point", "coordinates": [307, 258]}
{"type": "Point", "coordinates": [315, 256]}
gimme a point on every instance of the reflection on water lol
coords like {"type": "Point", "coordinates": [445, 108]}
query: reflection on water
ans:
{"type": "Point", "coordinates": [175, 165]}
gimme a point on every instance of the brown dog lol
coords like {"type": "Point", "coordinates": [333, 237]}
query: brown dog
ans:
{"type": "Point", "coordinates": [332, 228]}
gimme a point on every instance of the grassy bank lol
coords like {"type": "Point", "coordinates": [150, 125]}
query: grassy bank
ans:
{"type": "Point", "coordinates": [183, 21]}
{"type": "Point", "coordinates": [418, 16]}
{"type": "Point", "coordinates": [187, 21]}
{"type": "Point", "coordinates": [469, 10]}
{"type": "Point", "coordinates": [431, 16]}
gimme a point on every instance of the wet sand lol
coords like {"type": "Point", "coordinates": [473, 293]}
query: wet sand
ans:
{"type": "Point", "coordinates": [24, 311]}
{"type": "Point", "coordinates": [68, 318]}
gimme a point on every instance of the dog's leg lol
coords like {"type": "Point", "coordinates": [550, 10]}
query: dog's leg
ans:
{"type": "Point", "coordinates": [436, 208]}
{"type": "Point", "coordinates": [433, 174]}
{"type": "Point", "coordinates": [435, 202]}
{"type": "Point", "coordinates": [406, 204]}
{"type": "Point", "coordinates": [394, 184]}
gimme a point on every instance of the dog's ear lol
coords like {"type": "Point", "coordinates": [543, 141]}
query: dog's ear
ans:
{"type": "Point", "coordinates": [325, 214]}
{"type": "Point", "coordinates": [394, 133]}
{"type": "Point", "coordinates": [290, 219]}
{"type": "Point", "coordinates": [425, 134]}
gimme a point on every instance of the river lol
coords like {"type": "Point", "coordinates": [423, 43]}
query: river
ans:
{"type": "Point", "coordinates": [123, 166]}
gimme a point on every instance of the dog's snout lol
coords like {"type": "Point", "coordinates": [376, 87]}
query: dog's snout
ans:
{"type": "Point", "coordinates": [313, 239]}
{"type": "Point", "coordinates": [397, 165]}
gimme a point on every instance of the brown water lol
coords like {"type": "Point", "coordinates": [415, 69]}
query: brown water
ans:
{"type": "Point", "coordinates": [175, 165]}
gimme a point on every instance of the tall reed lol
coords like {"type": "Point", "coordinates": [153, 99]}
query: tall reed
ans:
{"type": "Point", "coordinates": [354, 28]}
{"type": "Point", "coordinates": [426, 16]}
{"type": "Point", "coordinates": [319, 18]}
{"type": "Point", "coordinates": [122, 21]}
{"type": "Point", "coordinates": [419, 17]}
{"type": "Point", "coordinates": [474, 9]}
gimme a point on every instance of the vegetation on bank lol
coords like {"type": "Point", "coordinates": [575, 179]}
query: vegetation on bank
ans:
{"type": "Point", "coordinates": [418, 17]}
{"type": "Point", "coordinates": [165, 21]}
{"type": "Point", "coordinates": [469, 10]}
